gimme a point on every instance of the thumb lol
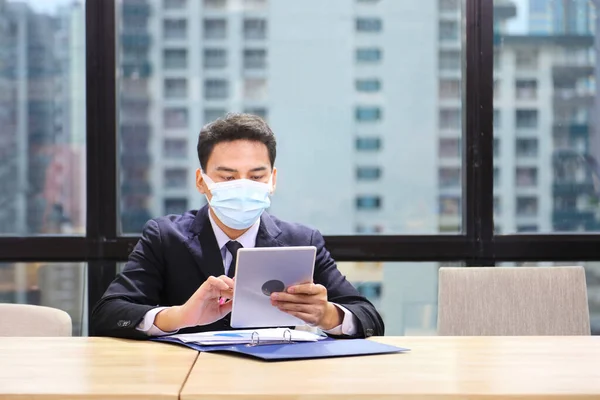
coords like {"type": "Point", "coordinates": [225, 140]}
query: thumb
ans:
{"type": "Point", "coordinates": [226, 308]}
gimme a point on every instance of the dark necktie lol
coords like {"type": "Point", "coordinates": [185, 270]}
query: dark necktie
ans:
{"type": "Point", "coordinates": [233, 248]}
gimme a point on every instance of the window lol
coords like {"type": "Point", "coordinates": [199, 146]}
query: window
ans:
{"type": "Point", "coordinates": [175, 58]}
{"type": "Point", "coordinates": [176, 178]}
{"type": "Point", "coordinates": [527, 228]}
{"type": "Point", "coordinates": [368, 173]}
{"type": "Point", "coordinates": [450, 89]}
{"type": "Point", "coordinates": [211, 114]}
{"type": "Point", "coordinates": [449, 177]}
{"type": "Point", "coordinates": [255, 89]}
{"type": "Point", "coordinates": [368, 24]}
{"type": "Point", "coordinates": [497, 119]}
{"type": "Point", "coordinates": [215, 28]}
{"type": "Point", "coordinates": [449, 5]}
{"type": "Point", "coordinates": [255, 59]}
{"type": "Point", "coordinates": [215, 58]}
{"type": "Point", "coordinates": [496, 176]}
{"type": "Point", "coordinates": [258, 111]}
{"type": "Point", "coordinates": [175, 88]}
{"type": "Point", "coordinates": [368, 55]}
{"type": "Point", "coordinates": [526, 148]}
{"type": "Point", "coordinates": [174, 29]}
{"type": "Point", "coordinates": [368, 114]}
{"type": "Point", "coordinates": [496, 147]}
{"type": "Point", "coordinates": [526, 59]}
{"type": "Point", "coordinates": [449, 148]}
{"type": "Point", "coordinates": [450, 206]}
{"type": "Point", "coordinates": [175, 206]}
{"type": "Point", "coordinates": [450, 119]}
{"type": "Point", "coordinates": [174, 4]}
{"type": "Point", "coordinates": [368, 143]}
{"type": "Point", "coordinates": [368, 202]}
{"type": "Point", "coordinates": [255, 29]}
{"type": "Point", "coordinates": [215, 4]}
{"type": "Point", "coordinates": [527, 119]}
{"type": "Point", "coordinates": [526, 89]}
{"type": "Point", "coordinates": [526, 177]}
{"type": "Point", "coordinates": [368, 85]}
{"type": "Point", "coordinates": [175, 118]}
{"type": "Point", "coordinates": [449, 60]}
{"type": "Point", "coordinates": [216, 89]}
{"type": "Point", "coordinates": [255, 4]}
{"type": "Point", "coordinates": [527, 206]}
{"type": "Point", "coordinates": [497, 205]}
{"type": "Point", "coordinates": [175, 148]}
{"type": "Point", "coordinates": [448, 31]}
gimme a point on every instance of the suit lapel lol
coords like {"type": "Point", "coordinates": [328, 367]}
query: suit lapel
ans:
{"type": "Point", "coordinates": [268, 232]}
{"type": "Point", "coordinates": [203, 245]}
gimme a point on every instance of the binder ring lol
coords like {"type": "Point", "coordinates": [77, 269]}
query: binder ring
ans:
{"type": "Point", "coordinates": [255, 339]}
{"type": "Point", "coordinates": [287, 336]}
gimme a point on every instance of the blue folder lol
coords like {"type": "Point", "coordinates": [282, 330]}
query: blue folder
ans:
{"type": "Point", "coordinates": [326, 348]}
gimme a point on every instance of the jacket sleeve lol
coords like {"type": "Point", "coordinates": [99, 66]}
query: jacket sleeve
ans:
{"type": "Point", "coordinates": [133, 292]}
{"type": "Point", "coordinates": [340, 291]}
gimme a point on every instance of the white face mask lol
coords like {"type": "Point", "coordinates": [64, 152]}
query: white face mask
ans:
{"type": "Point", "coordinates": [238, 203]}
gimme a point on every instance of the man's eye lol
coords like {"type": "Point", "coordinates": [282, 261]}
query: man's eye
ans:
{"type": "Point", "coordinates": [257, 177]}
{"type": "Point", "coordinates": [228, 178]}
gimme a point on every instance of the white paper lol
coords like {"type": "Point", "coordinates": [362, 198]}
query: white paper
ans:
{"type": "Point", "coordinates": [245, 336]}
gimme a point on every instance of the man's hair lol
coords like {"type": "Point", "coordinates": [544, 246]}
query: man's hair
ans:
{"type": "Point", "coordinates": [235, 126]}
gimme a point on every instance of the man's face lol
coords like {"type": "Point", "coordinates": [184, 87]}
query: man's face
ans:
{"type": "Point", "coordinates": [239, 159]}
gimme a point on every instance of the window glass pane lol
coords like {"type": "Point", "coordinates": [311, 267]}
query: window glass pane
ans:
{"type": "Point", "coordinates": [42, 119]}
{"type": "Point", "coordinates": [342, 74]}
{"type": "Point", "coordinates": [550, 147]}
{"type": "Point", "coordinates": [57, 285]}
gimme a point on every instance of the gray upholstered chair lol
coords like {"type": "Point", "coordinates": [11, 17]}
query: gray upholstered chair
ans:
{"type": "Point", "coordinates": [30, 320]}
{"type": "Point", "coordinates": [513, 301]}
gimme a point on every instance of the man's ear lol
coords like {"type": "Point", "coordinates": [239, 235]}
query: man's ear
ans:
{"type": "Point", "coordinates": [273, 180]}
{"type": "Point", "coordinates": [200, 184]}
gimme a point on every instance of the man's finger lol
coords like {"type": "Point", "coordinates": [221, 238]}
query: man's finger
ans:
{"type": "Point", "coordinates": [226, 294]}
{"type": "Point", "coordinates": [308, 318]}
{"type": "Point", "coordinates": [305, 288]}
{"type": "Point", "coordinates": [293, 298]}
{"type": "Point", "coordinates": [304, 308]}
{"type": "Point", "coordinates": [216, 283]}
{"type": "Point", "coordinates": [230, 282]}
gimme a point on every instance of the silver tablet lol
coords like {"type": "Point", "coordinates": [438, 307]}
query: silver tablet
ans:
{"type": "Point", "coordinates": [261, 271]}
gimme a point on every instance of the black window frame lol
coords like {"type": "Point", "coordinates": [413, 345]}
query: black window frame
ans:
{"type": "Point", "coordinates": [104, 246]}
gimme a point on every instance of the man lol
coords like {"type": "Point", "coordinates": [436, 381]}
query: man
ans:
{"type": "Point", "coordinates": [179, 276]}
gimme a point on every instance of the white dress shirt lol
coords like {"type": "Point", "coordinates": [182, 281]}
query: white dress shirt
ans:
{"type": "Point", "coordinates": [247, 240]}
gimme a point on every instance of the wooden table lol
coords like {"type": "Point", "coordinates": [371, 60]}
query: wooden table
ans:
{"type": "Point", "coordinates": [436, 368]}
{"type": "Point", "coordinates": [99, 368]}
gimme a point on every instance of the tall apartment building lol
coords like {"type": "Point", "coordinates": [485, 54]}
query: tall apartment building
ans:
{"type": "Point", "coordinates": [574, 17]}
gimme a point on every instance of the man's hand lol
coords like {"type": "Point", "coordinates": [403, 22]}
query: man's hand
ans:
{"type": "Point", "coordinates": [207, 305]}
{"type": "Point", "coordinates": [309, 303]}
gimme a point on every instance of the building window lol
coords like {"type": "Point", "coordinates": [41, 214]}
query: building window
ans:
{"type": "Point", "coordinates": [497, 206]}
{"type": "Point", "coordinates": [527, 119]}
{"type": "Point", "coordinates": [255, 28]}
{"type": "Point", "coordinates": [175, 58]}
{"type": "Point", "coordinates": [175, 88]}
{"type": "Point", "coordinates": [175, 118]}
{"type": "Point", "coordinates": [527, 206]}
{"type": "Point", "coordinates": [526, 148]}
{"type": "Point", "coordinates": [368, 55]}
{"type": "Point", "coordinates": [450, 206]}
{"type": "Point", "coordinates": [527, 228]}
{"type": "Point", "coordinates": [255, 59]}
{"type": "Point", "coordinates": [175, 29]}
{"type": "Point", "coordinates": [215, 58]}
{"type": "Point", "coordinates": [368, 85]}
{"type": "Point", "coordinates": [526, 59]}
{"type": "Point", "coordinates": [258, 111]}
{"type": "Point", "coordinates": [215, 4]}
{"type": "Point", "coordinates": [497, 60]}
{"type": "Point", "coordinates": [526, 177]}
{"type": "Point", "coordinates": [175, 148]}
{"type": "Point", "coordinates": [449, 148]}
{"type": "Point", "coordinates": [216, 89]}
{"type": "Point", "coordinates": [211, 114]}
{"type": "Point", "coordinates": [496, 147]}
{"type": "Point", "coordinates": [176, 178]}
{"type": "Point", "coordinates": [255, 4]}
{"type": "Point", "coordinates": [215, 28]}
{"type": "Point", "coordinates": [449, 177]}
{"type": "Point", "coordinates": [368, 114]}
{"type": "Point", "coordinates": [450, 89]}
{"type": "Point", "coordinates": [526, 89]}
{"type": "Point", "coordinates": [175, 206]}
{"type": "Point", "coordinates": [368, 143]}
{"type": "Point", "coordinates": [448, 31]}
{"type": "Point", "coordinates": [174, 4]}
{"type": "Point", "coordinates": [497, 119]}
{"type": "Point", "coordinates": [255, 89]}
{"type": "Point", "coordinates": [368, 173]}
{"type": "Point", "coordinates": [449, 5]}
{"type": "Point", "coordinates": [368, 25]}
{"type": "Point", "coordinates": [449, 60]}
{"type": "Point", "coordinates": [368, 202]}
{"type": "Point", "coordinates": [450, 118]}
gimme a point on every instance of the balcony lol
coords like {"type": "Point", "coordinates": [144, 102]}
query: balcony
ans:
{"type": "Point", "coordinates": [136, 8]}
{"type": "Point", "coordinates": [572, 188]}
{"type": "Point", "coordinates": [571, 99]}
{"type": "Point", "coordinates": [572, 216]}
{"type": "Point", "coordinates": [138, 70]}
{"type": "Point", "coordinates": [571, 72]}
{"type": "Point", "coordinates": [573, 130]}
{"type": "Point", "coordinates": [135, 40]}
{"type": "Point", "coordinates": [135, 160]}
{"type": "Point", "coordinates": [139, 188]}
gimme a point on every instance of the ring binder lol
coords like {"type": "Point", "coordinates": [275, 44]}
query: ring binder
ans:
{"type": "Point", "coordinates": [255, 339]}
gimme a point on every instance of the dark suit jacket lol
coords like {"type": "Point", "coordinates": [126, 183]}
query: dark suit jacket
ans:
{"type": "Point", "coordinates": [177, 253]}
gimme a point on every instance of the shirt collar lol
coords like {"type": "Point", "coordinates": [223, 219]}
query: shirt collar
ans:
{"type": "Point", "coordinates": [247, 240]}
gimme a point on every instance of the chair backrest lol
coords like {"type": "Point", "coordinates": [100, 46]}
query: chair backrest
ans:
{"type": "Point", "coordinates": [30, 320]}
{"type": "Point", "coordinates": [513, 301]}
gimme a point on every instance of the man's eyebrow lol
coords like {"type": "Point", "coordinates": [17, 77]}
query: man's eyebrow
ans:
{"type": "Point", "coordinates": [259, 169]}
{"type": "Point", "coordinates": [226, 169]}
